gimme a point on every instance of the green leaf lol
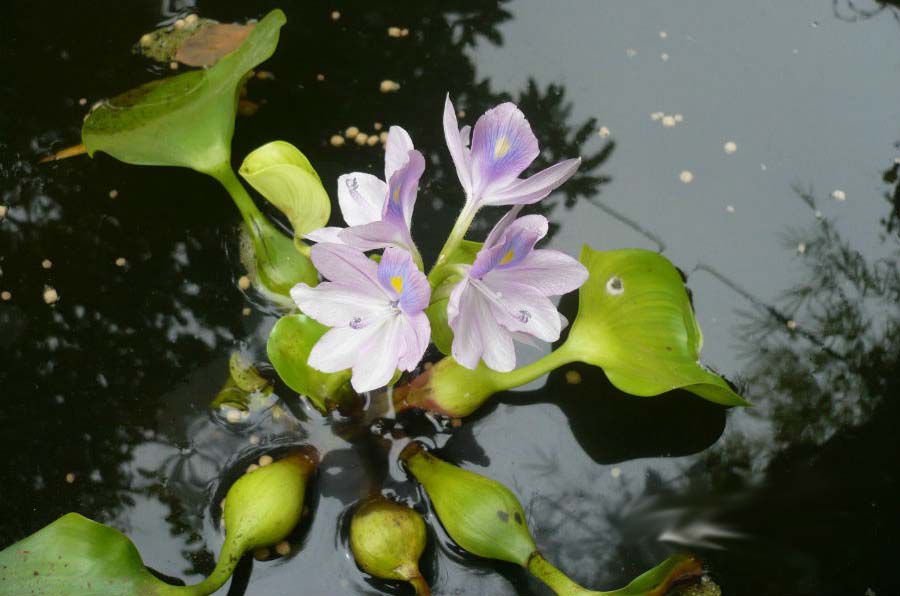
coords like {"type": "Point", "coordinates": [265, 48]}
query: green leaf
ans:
{"type": "Point", "coordinates": [657, 581]}
{"type": "Point", "coordinates": [284, 176]}
{"type": "Point", "coordinates": [185, 120]}
{"type": "Point", "coordinates": [290, 342]}
{"type": "Point", "coordinates": [636, 322]}
{"type": "Point", "coordinates": [443, 279]}
{"type": "Point", "coordinates": [75, 555]}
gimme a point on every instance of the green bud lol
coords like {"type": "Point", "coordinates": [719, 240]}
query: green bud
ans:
{"type": "Point", "coordinates": [387, 539]}
{"type": "Point", "coordinates": [481, 515]}
{"type": "Point", "coordinates": [261, 508]}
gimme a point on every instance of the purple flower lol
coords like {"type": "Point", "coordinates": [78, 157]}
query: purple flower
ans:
{"type": "Point", "coordinates": [375, 311]}
{"type": "Point", "coordinates": [502, 147]}
{"type": "Point", "coordinates": [379, 214]}
{"type": "Point", "coordinates": [505, 294]}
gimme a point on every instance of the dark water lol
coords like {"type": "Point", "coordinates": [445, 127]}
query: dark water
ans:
{"type": "Point", "coordinates": [795, 496]}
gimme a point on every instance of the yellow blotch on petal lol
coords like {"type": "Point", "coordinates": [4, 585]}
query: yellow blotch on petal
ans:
{"type": "Point", "coordinates": [396, 195]}
{"type": "Point", "coordinates": [397, 284]}
{"type": "Point", "coordinates": [501, 148]}
{"type": "Point", "coordinates": [508, 257]}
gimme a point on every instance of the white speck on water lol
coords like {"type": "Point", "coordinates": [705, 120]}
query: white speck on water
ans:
{"type": "Point", "coordinates": [631, 52]}
{"type": "Point", "coordinates": [173, 65]}
{"type": "Point", "coordinates": [51, 296]}
{"type": "Point", "coordinates": [233, 416]}
{"type": "Point", "coordinates": [383, 136]}
{"type": "Point", "coordinates": [337, 140]}
{"type": "Point", "coordinates": [335, 15]}
{"type": "Point", "coordinates": [261, 554]}
{"type": "Point", "coordinates": [254, 439]}
{"type": "Point", "coordinates": [46, 263]}
{"type": "Point", "coordinates": [361, 138]}
{"type": "Point", "coordinates": [686, 176]}
{"type": "Point", "coordinates": [791, 324]}
{"type": "Point", "coordinates": [252, 468]}
{"type": "Point", "coordinates": [814, 24]}
{"type": "Point", "coordinates": [730, 147]}
{"type": "Point", "coordinates": [377, 125]}
{"type": "Point", "coordinates": [146, 39]}
{"type": "Point", "coordinates": [615, 472]}
{"type": "Point", "coordinates": [351, 132]}
{"type": "Point", "coordinates": [82, 101]}
{"type": "Point", "coordinates": [394, 32]}
{"type": "Point", "coordinates": [801, 248]}
{"type": "Point", "coordinates": [763, 167]}
{"type": "Point", "coordinates": [320, 77]}
{"type": "Point", "coordinates": [265, 460]}
{"type": "Point", "coordinates": [179, 24]}
{"type": "Point", "coordinates": [818, 214]}
{"type": "Point", "coordinates": [3, 210]}
{"type": "Point", "coordinates": [795, 51]}
{"type": "Point", "coordinates": [664, 57]}
{"type": "Point", "coordinates": [70, 477]}
{"type": "Point", "coordinates": [246, 311]}
{"type": "Point", "coordinates": [121, 262]}
{"type": "Point", "coordinates": [663, 35]}
{"type": "Point", "coordinates": [113, 193]}
{"type": "Point", "coordinates": [657, 115]}
{"type": "Point", "coordinates": [6, 295]}
{"type": "Point", "coordinates": [283, 548]}
{"type": "Point", "coordinates": [372, 141]}
{"type": "Point", "coordinates": [388, 86]}
{"type": "Point", "coordinates": [839, 195]}
{"type": "Point", "coordinates": [729, 208]}
{"type": "Point", "coordinates": [191, 19]}
{"type": "Point", "coordinates": [573, 377]}
{"type": "Point", "coordinates": [679, 118]}
{"type": "Point", "coordinates": [244, 282]}
{"type": "Point", "coordinates": [668, 121]}
{"type": "Point", "coordinates": [603, 132]}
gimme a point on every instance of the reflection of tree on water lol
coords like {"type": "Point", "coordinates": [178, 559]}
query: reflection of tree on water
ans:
{"type": "Point", "coordinates": [855, 10]}
{"type": "Point", "coordinates": [89, 381]}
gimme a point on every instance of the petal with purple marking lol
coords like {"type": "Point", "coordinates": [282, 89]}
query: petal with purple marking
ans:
{"type": "Point", "coordinates": [348, 265]}
{"type": "Point", "coordinates": [503, 145]}
{"type": "Point", "coordinates": [513, 245]}
{"type": "Point", "coordinates": [534, 188]}
{"type": "Point", "coordinates": [549, 272]}
{"type": "Point", "coordinates": [402, 190]}
{"type": "Point", "coordinates": [458, 151]}
{"type": "Point", "coordinates": [361, 197]}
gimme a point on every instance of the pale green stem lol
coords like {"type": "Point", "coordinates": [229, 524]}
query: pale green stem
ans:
{"type": "Point", "coordinates": [526, 374]}
{"type": "Point", "coordinates": [457, 233]}
{"type": "Point", "coordinates": [558, 581]}
{"type": "Point", "coordinates": [229, 557]}
{"type": "Point", "coordinates": [253, 217]}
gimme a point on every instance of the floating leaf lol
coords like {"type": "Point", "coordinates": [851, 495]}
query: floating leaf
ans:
{"type": "Point", "coordinates": [75, 555]}
{"type": "Point", "coordinates": [186, 120]}
{"type": "Point", "coordinates": [387, 538]}
{"type": "Point", "coordinates": [443, 279]}
{"type": "Point", "coordinates": [284, 176]}
{"type": "Point", "coordinates": [635, 321]}
{"type": "Point", "coordinates": [290, 342]}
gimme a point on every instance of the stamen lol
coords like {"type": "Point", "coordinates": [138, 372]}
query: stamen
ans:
{"type": "Point", "coordinates": [356, 323]}
{"type": "Point", "coordinates": [524, 316]}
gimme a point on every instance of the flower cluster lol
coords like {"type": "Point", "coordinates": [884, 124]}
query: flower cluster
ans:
{"type": "Point", "coordinates": [376, 310]}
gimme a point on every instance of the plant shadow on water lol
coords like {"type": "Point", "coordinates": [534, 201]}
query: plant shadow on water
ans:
{"type": "Point", "coordinates": [111, 385]}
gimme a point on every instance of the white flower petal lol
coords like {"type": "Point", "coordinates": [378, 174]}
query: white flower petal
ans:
{"type": "Point", "coordinates": [330, 234]}
{"type": "Point", "coordinates": [378, 356]}
{"type": "Point", "coordinates": [336, 305]}
{"type": "Point", "coordinates": [361, 197]}
{"type": "Point", "coordinates": [340, 348]}
{"type": "Point", "coordinates": [396, 150]}
{"type": "Point", "coordinates": [458, 152]}
{"type": "Point", "coordinates": [550, 272]}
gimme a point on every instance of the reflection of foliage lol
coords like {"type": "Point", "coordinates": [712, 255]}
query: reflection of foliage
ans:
{"type": "Point", "coordinates": [851, 10]}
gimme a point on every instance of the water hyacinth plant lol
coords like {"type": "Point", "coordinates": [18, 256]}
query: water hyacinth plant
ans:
{"type": "Point", "coordinates": [363, 309]}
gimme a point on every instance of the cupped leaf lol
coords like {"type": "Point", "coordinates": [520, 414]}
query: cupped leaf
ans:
{"type": "Point", "coordinates": [75, 555]}
{"type": "Point", "coordinates": [443, 279]}
{"type": "Point", "coordinates": [635, 321]}
{"type": "Point", "coordinates": [185, 120]}
{"type": "Point", "coordinates": [290, 342]}
{"type": "Point", "coordinates": [284, 176]}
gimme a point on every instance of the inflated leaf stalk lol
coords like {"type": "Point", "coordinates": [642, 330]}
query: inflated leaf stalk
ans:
{"type": "Point", "coordinates": [188, 121]}
{"type": "Point", "coordinates": [75, 555]}
{"type": "Point", "coordinates": [387, 539]}
{"type": "Point", "coordinates": [290, 342]}
{"type": "Point", "coordinates": [634, 321]}
{"type": "Point", "coordinates": [443, 278]}
{"type": "Point", "coordinates": [486, 519]}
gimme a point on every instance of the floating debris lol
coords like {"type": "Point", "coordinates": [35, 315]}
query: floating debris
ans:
{"type": "Point", "coordinates": [603, 132]}
{"type": "Point", "coordinates": [679, 118]}
{"type": "Point", "coordinates": [730, 147]}
{"type": "Point", "coordinates": [46, 263]}
{"type": "Point", "coordinates": [383, 137]}
{"type": "Point", "coordinates": [801, 248]}
{"type": "Point", "coordinates": [791, 324]}
{"type": "Point", "coordinates": [615, 472]}
{"type": "Point", "coordinates": [664, 57]}
{"type": "Point", "coordinates": [351, 132]}
{"type": "Point", "coordinates": [244, 282]}
{"type": "Point", "coordinates": [265, 75]}
{"type": "Point", "coordinates": [51, 296]}
{"type": "Point", "coordinates": [247, 311]}
{"type": "Point", "coordinates": [686, 176]}
{"type": "Point", "coordinates": [233, 416]}
{"type": "Point", "coordinates": [113, 193]}
{"type": "Point", "coordinates": [631, 53]}
{"type": "Point", "coordinates": [729, 208]}
{"type": "Point", "coordinates": [839, 195]}
{"type": "Point", "coordinates": [372, 141]}
{"type": "Point", "coordinates": [377, 125]}
{"type": "Point", "coordinates": [3, 210]}
{"type": "Point", "coordinates": [252, 468]}
{"type": "Point", "coordinates": [265, 460]}
{"type": "Point", "coordinates": [663, 35]}
{"type": "Point", "coordinates": [261, 554]}
{"type": "Point", "coordinates": [6, 296]}
{"type": "Point", "coordinates": [82, 101]}
{"type": "Point", "coordinates": [254, 439]}
{"type": "Point", "coordinates": [336, 140]}
{"type": "Point", "coordinates": [320, 77]}
{"type": "Point", "coordinates": [70, 477]}
{"type": "Point", "coordinates": [361, 138]}
{"type": "Point", "coordinates": [389, 86]}
{"type": "Point", "coordinates": [283, 548]}
{"type": "Point", "coordinates": [335, 15]}
{"type": "Point", "coordinates": [668, 121]}
{"type": "Point", "coordinates": [121, 262]}
{"type": "Point", "coordinates": [393, 31]}
{"type": "Point", "coordinates": [573, 377]}
{"type": "Point", "coordinates": [65, 153]}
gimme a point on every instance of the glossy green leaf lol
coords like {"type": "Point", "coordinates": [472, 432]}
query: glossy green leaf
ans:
{"type": "Point", "coordinates": [658, 580]}
{"type": "Point", "coordinates": [75, 555]}
{"type": "Point", "coordinates": [635, 321]}
{"type": "Point", "coordinates": [442, 280]}
{"type": "Point", "coordinates": [290, 342]}
{"type": "Point", "coordinates": [284, 176]}
{"type": "Point", "coordinates": [185, 120]}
